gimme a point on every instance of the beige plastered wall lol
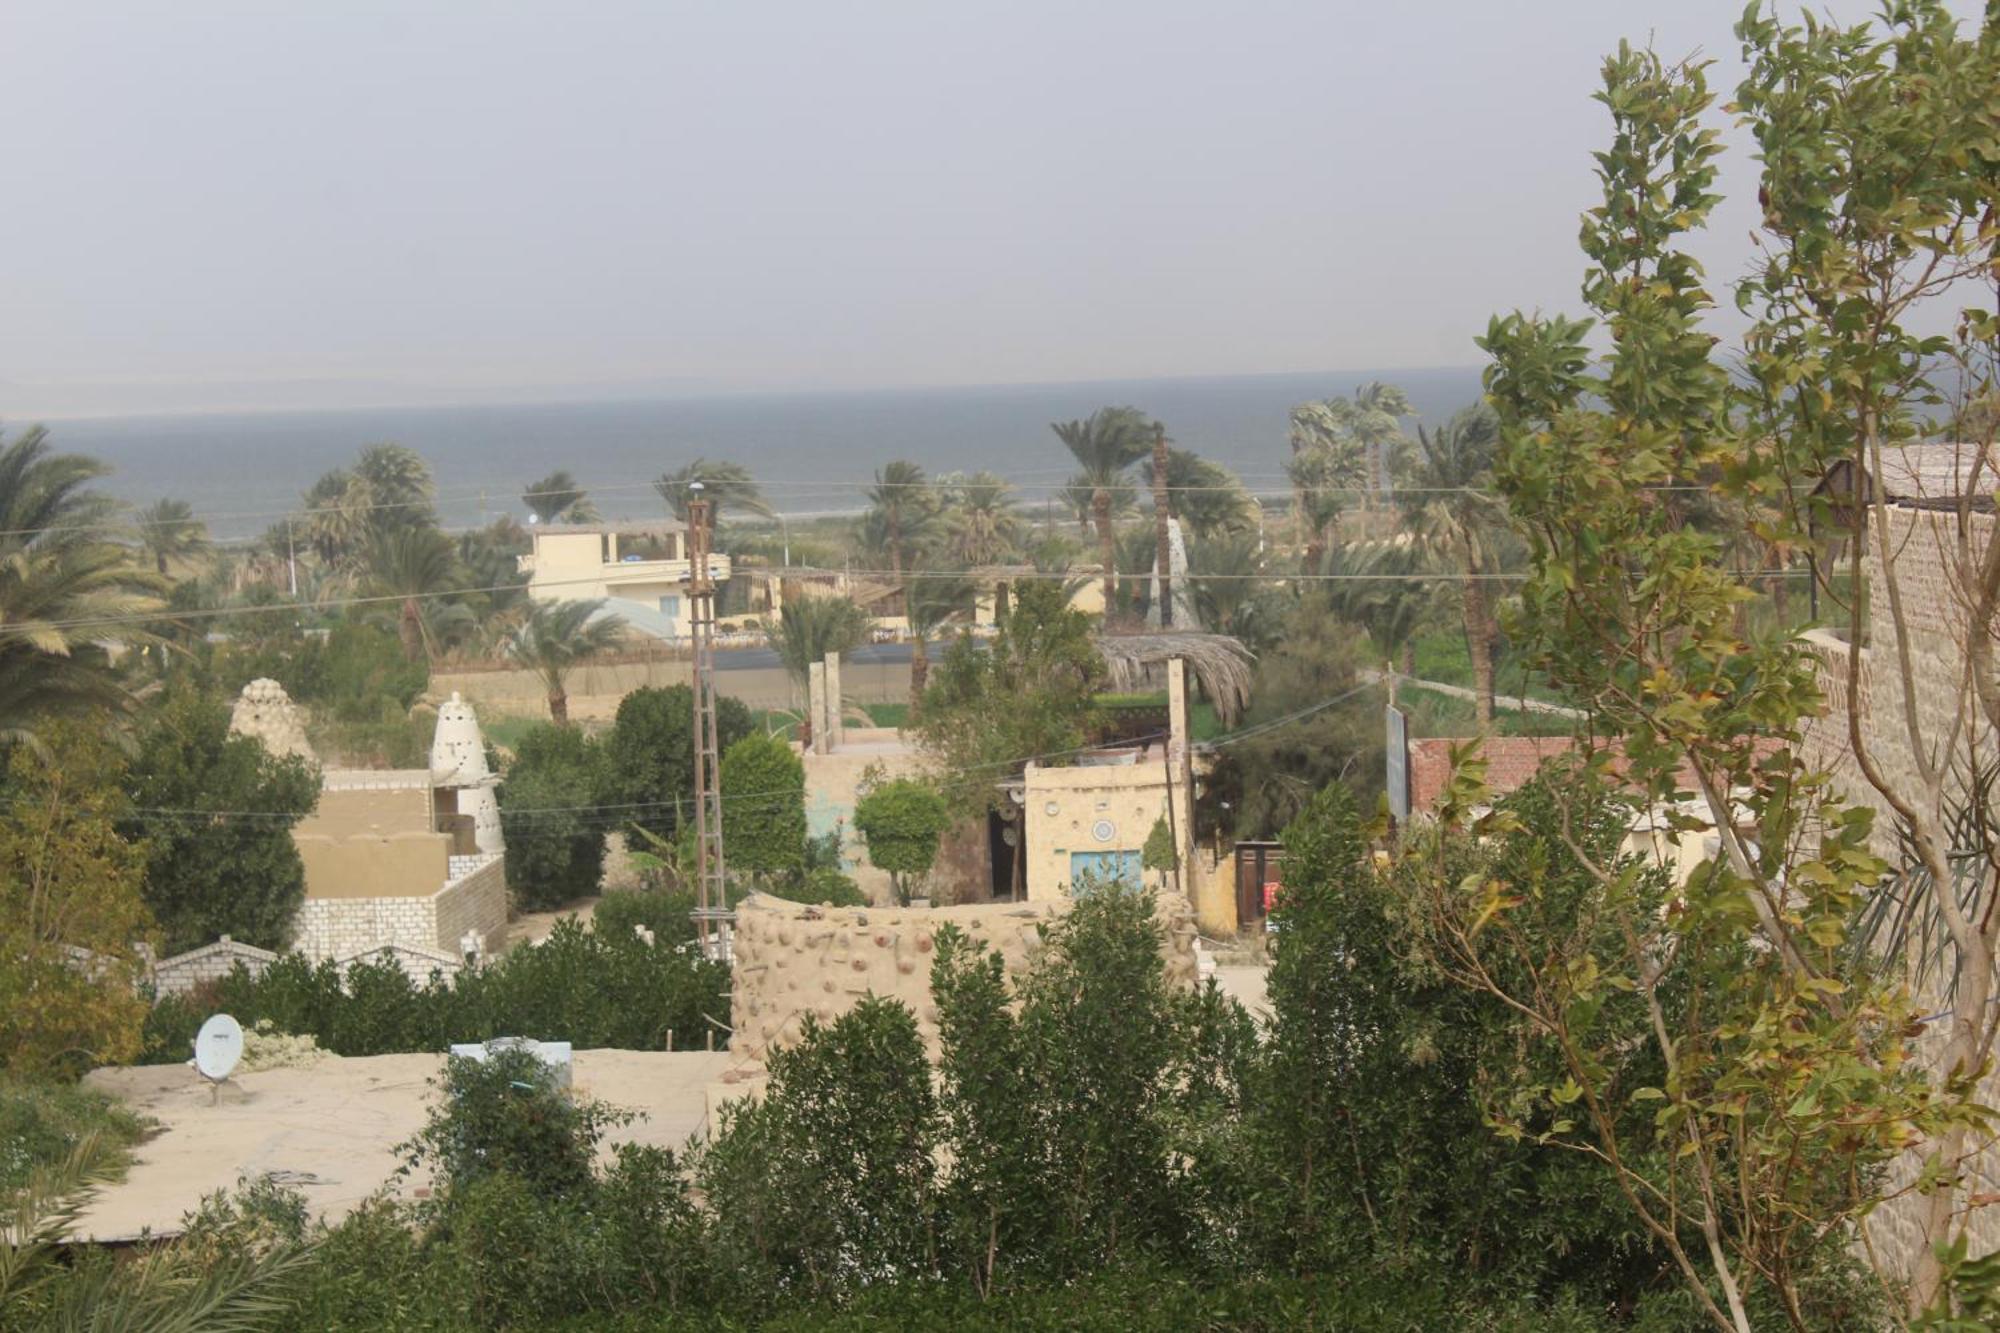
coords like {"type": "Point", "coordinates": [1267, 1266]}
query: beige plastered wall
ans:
{"type": "Point", "coordinates": [375, 840]}
{"type": "Point", "coordinates": [833, 785]}
{"type": "Point", "coordinates": [1066, 805]}
{"type": "Point", "coordinates": [792, 960]}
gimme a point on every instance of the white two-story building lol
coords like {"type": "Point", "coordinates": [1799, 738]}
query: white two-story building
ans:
{"type": "Point", "coordinates": [640, 569]}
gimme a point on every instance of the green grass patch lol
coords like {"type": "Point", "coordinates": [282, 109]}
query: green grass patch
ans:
{"type": "Point", "coordinates": [888, 715]}
{"type": "Point", "coordinates": [41, 1122]}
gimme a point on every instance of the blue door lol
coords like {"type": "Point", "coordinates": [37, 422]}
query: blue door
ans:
{"type": "Point", "coordinates": [1094, 870]}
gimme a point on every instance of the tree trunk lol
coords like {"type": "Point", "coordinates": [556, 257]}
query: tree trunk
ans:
{"type": "Point", "coordinates": [410, 628]}
{"type": "Point", "coordinates": [896, 567]}
{"type": "Point", "coordinates": [1479, 643]}
{"type": "Point", "coordinates": [1162, 536]}
{"type": "Point", "coordinates": [559, 706]}
{"type": "Point", "coordinates": [920, 671]}
{"type": "Point", "coordinates": [1107, 547]}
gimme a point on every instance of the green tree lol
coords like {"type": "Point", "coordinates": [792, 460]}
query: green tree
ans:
{"type": "Point", "coordinates": [806, 630]}
{"type": "Point", "coordinates": [557, 498]}
{"type": "Point", "coordinates": [396, 488]}
{"type": "Point", "coordinates": [901, 821]}
{"type": "Point", "coordinates": [932, 602]}
{"type": "Point", "coordinates": [557, 637]}
{"type": "Point", "coordinates": [763, 806]}
{"type": "Point", "coordinates": [905, 508]}
{"type": "Point", "coordinates": [169, 532]}
{"type": "Point", "coordinates": [72, 914]}
{"type": "Point", "coordinates": [1328, 464]}
{"type": "Point", "coordinates": [219, 811]}
{"type": "Point", "coordinates": [723, 485]}
{"type": "Point", "coordinates": [649, 754]}
{"type": "Point", "coordinates": [548, 815]}
{"type": "Point", "coordinates": [1105, 445]}
{"type": "Point", "coordinates": [412, 566]}
{"type": "Point", "coordinates": [992, 707]}
{"type": "Point", "coordinates": [1208, 498]}
{"type": "Point", "coordinates": [1450, 510]}
{"type": "Point", "coordinates": [982, 525]}
{"type": "Point", "coordinates": [65, 586]}
{"type": "Point", "coordinates": [1790, 1078]}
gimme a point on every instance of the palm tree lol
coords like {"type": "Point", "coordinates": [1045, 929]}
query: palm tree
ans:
{"type": "Point", "coordinates": [982, 525]}
{"type": "Point", "coordinates": [1226, 571]}
{"type": "Point", "coordinates": [169, 531]}
{"type": "Point", "coordinates": [1451, 512]}
{"type": "Point", "coordinates": [1208, 498]}
{"type": "Point", "coordinates": [1163, 564]}
{"type": "Point", "coordinates": [64, 583]}
{"type": "Point", "coordinates": [334, 524]}
{"type": "Point", "coordinates": [396, 488]}
{"type": "Point", "coordinates": [1379, 410]}
{"type": "Point", "coordinates": [411, 564]}
{"type": "Point", "coordinates": [1379, 596]}
{"type": "Point", "coordinates": [933, 601]}
{"type": "Point", "coordinates": [555, 638]}
{"type": "Point", "coordinates": [806, 630]}
{"type": "Point", "coordinates": [1328, 463]}
{"type": "Point", "coordinates": [1105, 444]}
{"type": "Point", "coordinates": [723, 485]}
{"type": "Point", "coordinates": [558, 498]}
{"type": "Point", "coordinates": [903, 508]}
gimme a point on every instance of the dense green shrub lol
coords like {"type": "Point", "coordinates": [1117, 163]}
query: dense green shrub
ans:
{"type": "Point", "coordinates": [649, 753]}
{"type": "Point", "coordinates": [829, 888]}
{"type": "Point", "coordinates": [901, 821]}
{"type": "Point", "coordinates": [590, 988]}
{"type": "Point", "coordinates": [555, 835]}
{"type": "Point", "coordinates": [41, 1122]}
{"type": "Point", "coordinates": [664, 912]}
{"type": "Point", "coordinates": [763, 806]}
{"type": "Point", "coordinates": [235, 874]}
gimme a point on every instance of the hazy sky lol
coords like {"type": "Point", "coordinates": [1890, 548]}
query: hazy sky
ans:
{"type": "Point", "coordinates": [277, 204]}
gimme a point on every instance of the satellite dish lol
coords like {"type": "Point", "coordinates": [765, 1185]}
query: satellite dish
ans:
{"type": "Point", "coordinates": [218, 1047]}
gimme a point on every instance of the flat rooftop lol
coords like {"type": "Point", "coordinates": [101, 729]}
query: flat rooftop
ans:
{"type": "Point", "coordinates": [331, 1129]}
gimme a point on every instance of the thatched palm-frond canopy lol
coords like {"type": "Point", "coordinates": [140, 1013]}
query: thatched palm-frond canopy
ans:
{"type": "Point", "coordinates": [1220, 664]}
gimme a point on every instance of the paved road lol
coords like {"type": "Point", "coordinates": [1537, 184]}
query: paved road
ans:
{"type": "Point", "coordinates": [754, 659]}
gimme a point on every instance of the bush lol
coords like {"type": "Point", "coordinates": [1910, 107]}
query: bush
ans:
{"type": "Point", "coordinates": [901, 822]}
{"type": "Point", "coordinates": [763, 806]}
{"type": "Point", "coordinates": [649, 754]}
{"type": "Point", "coordinates": [555, 838]}
{"type": "Point", "coordinates": [592, 988]}
{"type": "Point", "coordinates": [828, 888]}
{"type": "Point", "coordinates": [41, 1122]}
{"type": "Point", "coordinates": [664, 912]}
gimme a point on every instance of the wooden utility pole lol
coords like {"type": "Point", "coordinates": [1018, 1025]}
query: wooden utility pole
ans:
{"type": "Point", "coordinates": [712, 914]}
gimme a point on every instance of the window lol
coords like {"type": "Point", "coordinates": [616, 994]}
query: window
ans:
{"type": "Point", "coordinates": [670, 606]}
{"type": "Point", "coordinates": [1090, 871]}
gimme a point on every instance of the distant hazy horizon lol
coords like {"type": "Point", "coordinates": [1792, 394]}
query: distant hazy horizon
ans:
{"type": "Point", "coordinates": [812, 450]}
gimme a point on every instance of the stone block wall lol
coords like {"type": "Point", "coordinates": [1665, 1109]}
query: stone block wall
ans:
{"type": "Point", "coordinates": [336, 927]}
{"type": "Point", "coordinates": [476, 901]}
{"type": "Point", "coordinates": [1934, 555]}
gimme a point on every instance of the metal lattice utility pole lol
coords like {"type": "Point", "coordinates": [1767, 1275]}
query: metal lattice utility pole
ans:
{"type": "Point", "coordinates": [712, 913]}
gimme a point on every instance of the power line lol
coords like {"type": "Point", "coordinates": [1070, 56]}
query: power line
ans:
{"type": "Point", "coordinates": [169, 615]}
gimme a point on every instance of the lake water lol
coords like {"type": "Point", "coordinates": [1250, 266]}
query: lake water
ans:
{"type": "Point", "coordinates": [812, 452]}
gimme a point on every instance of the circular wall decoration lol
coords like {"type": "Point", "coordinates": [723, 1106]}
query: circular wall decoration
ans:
{"type": "Point", "coordinates": [1104, 830]}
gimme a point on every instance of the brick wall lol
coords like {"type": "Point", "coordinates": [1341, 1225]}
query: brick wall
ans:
{"type": "Point", "coordinates": [211, 962]}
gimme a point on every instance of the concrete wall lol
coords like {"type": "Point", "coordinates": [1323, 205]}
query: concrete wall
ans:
{"type": "Point", "coordinates": [792, 960]}
{"type": "Point", "coordinates": [1068, 807]}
